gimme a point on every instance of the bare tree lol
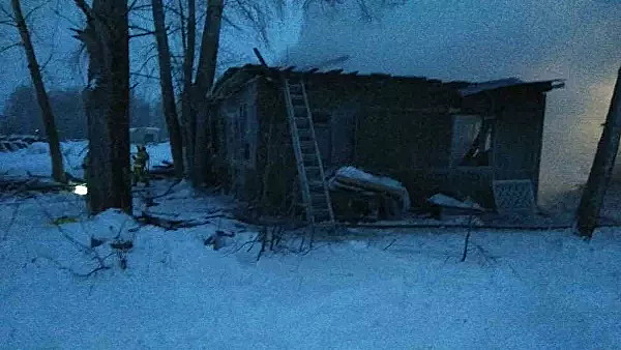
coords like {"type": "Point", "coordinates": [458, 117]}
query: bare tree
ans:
{"type": "Point", "coordinates": [201, 101]}
{"type": "Point", "coordinates": [601, 170]}
{"type": "Point", "coordinates": [49, 124]}
{"type": "Point", "coordinates": [106, 101]}
{"type": "Point", "coordinates": [189, 52]}
{"type": "Point", "coordinates": [166, 83]}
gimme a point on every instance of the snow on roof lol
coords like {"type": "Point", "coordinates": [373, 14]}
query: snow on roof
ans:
{"type": "Point", "coordinates": [510, 82]}
{"type": "Point", "coordinates": [239, 75]}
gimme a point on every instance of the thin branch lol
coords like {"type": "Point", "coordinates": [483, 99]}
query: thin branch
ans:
{"type": "Point", "coordinates": [143, 75]}
{"type": "Point", "coordinates": [33, 10]}
{"type": "Point", "coordinates": [44, 65]}
{"type": "Point", "coordinates": [135, 27]}
{"type": "Point", "coordinates": [6, 48]}
{"type": "Point", "coordinates": [131, 36]}
{"type": "Point", "coordinates": [142, 8]}
{"type": "Point", "coordinates": [7, 14]}
{"type": "Point", "coordinates": [66, 18]}
{"type": "Point", "coordinates": [132, 6]}
{"type": "Point", "coordinates": [11, 222]}
{"type": "Point", "coordinates": [228, 21]}
{"type": "Point", "coordinates": [173, 10]}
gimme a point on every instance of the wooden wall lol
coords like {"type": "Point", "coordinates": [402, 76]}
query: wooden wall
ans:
{"type": "Point", "coordinates": [400, 129]}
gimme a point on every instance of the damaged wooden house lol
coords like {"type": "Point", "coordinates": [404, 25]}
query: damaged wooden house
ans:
{"type": "Point", "coordinates": [279, 133]}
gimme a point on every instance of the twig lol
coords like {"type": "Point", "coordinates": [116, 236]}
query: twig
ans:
{"type": "Point", "coordinates": [467, 240]}
{"type": "Point", "coordinates": [391, 243]}
{"type": "Point", "coordinates": [168, 191]}
{"type": "Point", "coordinates": [132, 36]}
{"type": "Point", "coordinates": [72, 271]}
{"type": "Point", "coordinates": [465, 254]}
{"type": "Point", "coordinates": [6, 48]}
{"type": "Point", "coordinates": [6, 231]}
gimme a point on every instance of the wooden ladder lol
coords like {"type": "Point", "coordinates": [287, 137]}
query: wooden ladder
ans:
{"type": "Point", "coordinates": [315, 193]}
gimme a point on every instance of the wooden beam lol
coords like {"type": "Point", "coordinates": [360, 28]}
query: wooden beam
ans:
{"type": "Point", "coordinates": [260, 57]}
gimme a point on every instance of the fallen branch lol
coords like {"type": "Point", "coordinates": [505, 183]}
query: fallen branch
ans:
{"type": "Point", "coordinates": [467, 239]}
{"type": "Point", "coordinates": [85, 249]}
{"type": "Point", "coordinates": [167, 224]}
{"type": "Point", "coordinates": [11, 222]}
{"type": "Point", "coordinates": [391, 243]}
{"type": "Point", "coordinates": [72, 271]}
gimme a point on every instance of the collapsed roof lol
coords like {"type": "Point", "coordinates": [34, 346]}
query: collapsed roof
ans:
{"type": "Point", "coordinates": [236, 77]}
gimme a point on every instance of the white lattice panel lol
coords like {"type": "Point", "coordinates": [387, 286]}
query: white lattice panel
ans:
{"type": "Point", "coordinates": [514, 195]}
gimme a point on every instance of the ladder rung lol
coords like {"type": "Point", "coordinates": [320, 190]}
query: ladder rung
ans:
{"type": "Point", "coordinates": [305, 136]}
{"type": "Point", "coordinates": [300, 106]}
{"type": "Point", "coordinates": [310, 159]}
{"type": "Point", "coordinates": [318, 198]}
{"type": "Point", "coordinates": [315, 184]}
{"type": "Point", "coordinates": [321, 215]}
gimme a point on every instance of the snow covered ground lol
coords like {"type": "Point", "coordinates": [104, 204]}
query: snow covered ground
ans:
{"type": "Point", "coordinates": [35, 159]}
{"type": "Point", "coordinates": [372, 289]}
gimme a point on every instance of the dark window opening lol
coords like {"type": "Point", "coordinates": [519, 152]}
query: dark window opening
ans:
{"type": "Point", "coordinates": [472, 141]}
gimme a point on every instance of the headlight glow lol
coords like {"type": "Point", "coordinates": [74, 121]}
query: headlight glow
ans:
{"type": "Point", "coordinates": [80, 190]}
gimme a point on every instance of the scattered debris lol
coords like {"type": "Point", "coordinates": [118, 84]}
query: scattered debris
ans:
{"type": "Point", "coordinates": [167, 224]}
{"type": "Point", "coordinates": [443, 206]}
{"type": "Point", "coordinates": [365, 196]}
{"type": "Point", "coordinates": [122, 245]}
{"type": "Point", "coordinates": [65, 220]}
{"type": "Point", "coordinates": [219, 239]}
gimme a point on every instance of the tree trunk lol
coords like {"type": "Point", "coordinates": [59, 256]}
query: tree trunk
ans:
{"type": "Point", "coordinates": [204, 80]}
{"type": "Point", "coordinates": [168, 94]}
{"type": "Point", "coordinates": [601, 170]}
{"type": "Point", "coordinates": [188, 117]}
{"type": "Point", "coordinates": [58, 173]}
{"type": "Point", "coordinates": [106, 38]}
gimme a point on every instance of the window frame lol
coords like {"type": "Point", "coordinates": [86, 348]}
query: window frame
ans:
{"type": "Point", "coordinates": [457, 162]}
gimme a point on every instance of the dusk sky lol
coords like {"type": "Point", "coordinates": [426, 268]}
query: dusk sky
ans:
{"type": "Point", "coordinates": [578, 40]}
{"type": "Point", "coordinates": [67, 63]}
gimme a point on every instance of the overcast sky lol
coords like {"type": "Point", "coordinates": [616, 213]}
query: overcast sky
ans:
{"type": "Point", "coordinates": [576, 40]}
